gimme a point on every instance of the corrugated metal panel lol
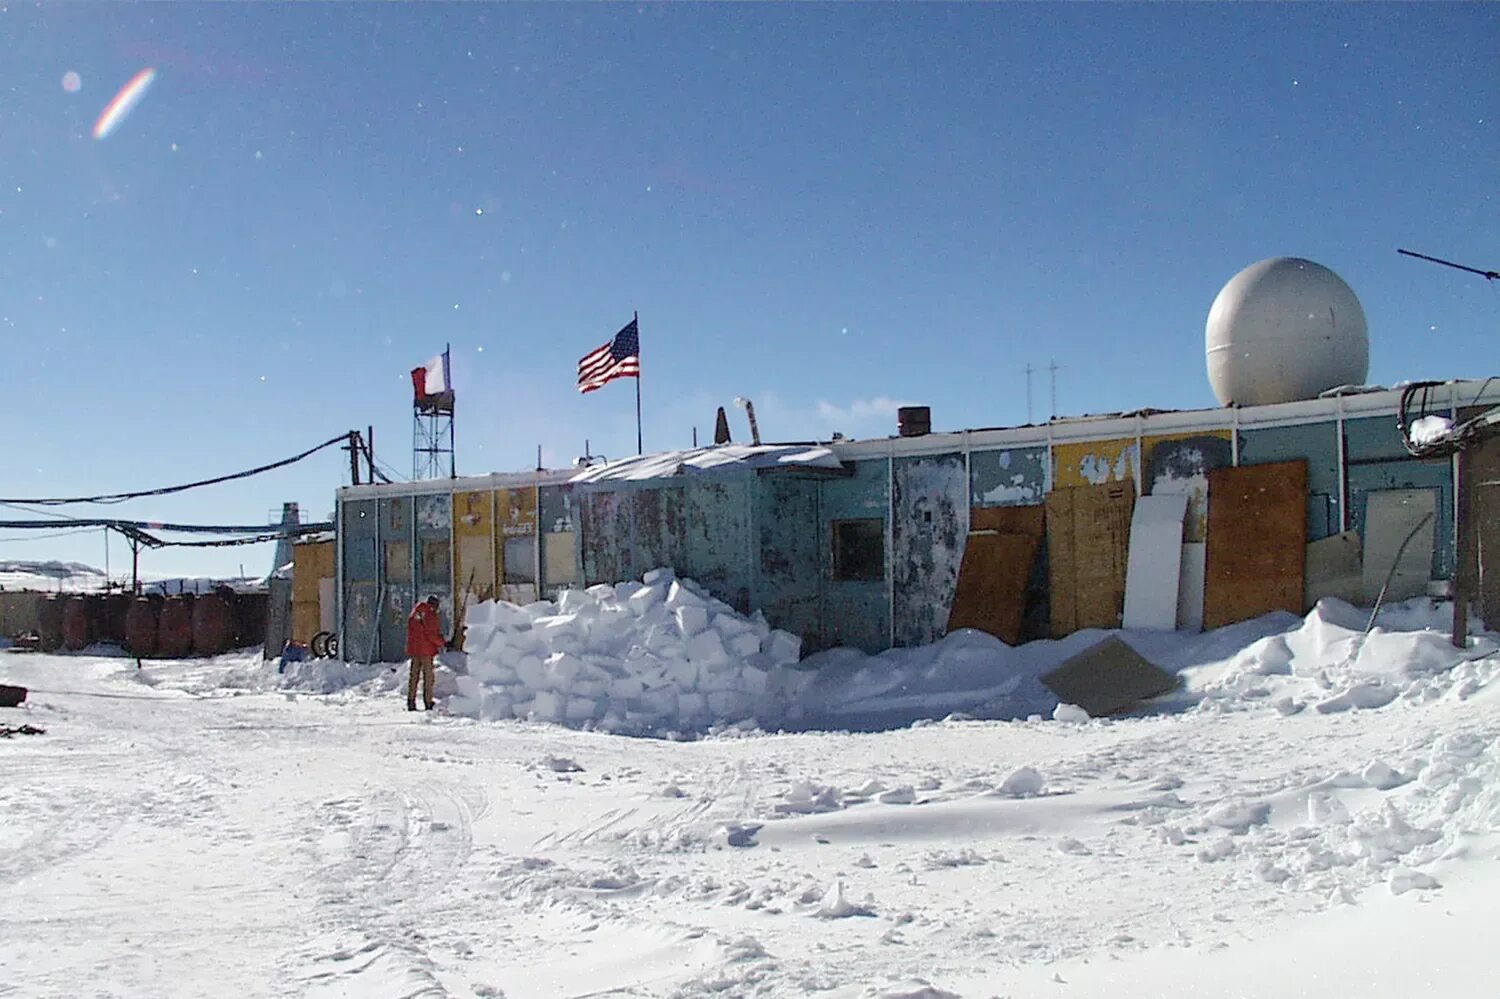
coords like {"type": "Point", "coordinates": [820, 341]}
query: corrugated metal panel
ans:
{"type": "Point", "coordinates": [605, 529]}
{"type": "Point", "coordinates": [930, 520]}
{"type": "Point", "coordinates": [856, 614]}
{"type": "Point", "coordinates": [1009, 478]}
{"type": "Point", "coordinates": [1315, 443]}
{"type": "Point", "coordinates": [790, 556]}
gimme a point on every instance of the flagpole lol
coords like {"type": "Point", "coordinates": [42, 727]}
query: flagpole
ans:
{"type": "Point", "coordinates": [637, 321]}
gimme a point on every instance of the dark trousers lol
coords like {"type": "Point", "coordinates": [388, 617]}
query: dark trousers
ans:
{"type": "Point", "coordinates": [421, 666]}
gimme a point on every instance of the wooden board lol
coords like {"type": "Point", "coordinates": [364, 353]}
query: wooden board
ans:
{"type": "Point", "coordinates": [1088, 533]}
{"type": "Point", "coordinates": [1479, 494]}
{"type": "Point", "coordinates": [1257, 541]}
{"type": "Point", "coordinates": [1009, 519]}
{"type": "Point", "coordinates": [1154, 566]}
{"type": "Point", "coordinates": [991, 590]}
{"type": "Point", "coordinates": [1106, 678]}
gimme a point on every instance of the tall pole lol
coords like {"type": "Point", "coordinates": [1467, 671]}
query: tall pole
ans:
{"type": "Point", "coordinates": [354, 457]}
{"type": "Point", "coordinates": [1028, 391]}
{"type": "Point", "coordinates": [1052, 367]}
{"type": "Point", "coordinates": [636, 318]}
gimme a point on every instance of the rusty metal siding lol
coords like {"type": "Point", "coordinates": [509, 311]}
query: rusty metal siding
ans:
{"type": "Point", "coordinates": [930, 522]}
{"type": "Point", "coordinates": [1016, 477]}
{"type": "Point", "coordinates": [1318, 444]}
{"type": "Point", "coordinates": [397, 565]}
{"type": "Point", "coordinates": [604, 528]}
{"type": "Point", "coordinates": [1377, 460]}
{"type": "Point", "coordinates": [857, 614]}
{"type": "Point", "coordinates": [790, 563]}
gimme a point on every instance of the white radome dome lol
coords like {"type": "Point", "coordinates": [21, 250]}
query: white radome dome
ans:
{"type": "Point", "coordinates": [1285, 329]}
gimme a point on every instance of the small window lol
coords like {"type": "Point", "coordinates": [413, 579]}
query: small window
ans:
{"type": "Point", "coordinates": [859, 549]}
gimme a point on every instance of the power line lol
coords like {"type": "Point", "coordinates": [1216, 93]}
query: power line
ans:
{"type": "Point", "coordinates": [167, 490]}
{"type": "Point", "coordinates": [44, 537]}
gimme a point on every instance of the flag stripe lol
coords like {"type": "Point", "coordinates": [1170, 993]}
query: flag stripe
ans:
{"type": "Point", "coordinates": [619, 358]}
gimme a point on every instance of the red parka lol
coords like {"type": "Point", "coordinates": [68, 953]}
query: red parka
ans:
{"type": "Point", "coordinates": [424, 631]}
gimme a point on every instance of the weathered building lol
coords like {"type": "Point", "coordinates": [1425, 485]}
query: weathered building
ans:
{"type": "Point", "coordinates": [866, 550]}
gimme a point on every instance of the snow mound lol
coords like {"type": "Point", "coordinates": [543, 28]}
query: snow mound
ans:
{"type": "Point", "coordinates": [659, 655]}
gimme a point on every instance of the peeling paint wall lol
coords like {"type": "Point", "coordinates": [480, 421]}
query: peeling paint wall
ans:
{"type": "Point", "coordinates": [1093, 463]}
{"type": "Point", "coordinates": [516, 543]}
{"type": "Point", "coordinates": [790, 570]}
{"type": "Point", "coordinates": [434, 562]}
{"type": "Point", "coordinates": [561, 564]}
{"type": "Point", "coordinates": [1318, 444]}
{"type": "Point", "coordinates": [398, 554]}
{"type": "Point", "coordinates": [929, 525]}
{"type": "Point", "coordinates": [720, 551]}
{"type": "Point", "coordinates": [856, 614]}
{"type": "Point", "coordinates": [359, 535]}
{"type": "Point", "coordinates": [1018, 477]}
{"type": "Point", "coordinates": [474, 545]}
{"type": "Point", "coordinates": [1179, 464]}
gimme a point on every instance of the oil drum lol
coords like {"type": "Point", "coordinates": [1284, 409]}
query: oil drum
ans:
{"type": "Point", "coordinates": [212, 625]}
{"type": "Point", "coordinates": [174, 633]}
{"type": "Point", "coordinates": [49, 616]}
{"type": "Point", "coordinates": [141, 626]}
{"type": "Point", "coordinates": [77, 622]}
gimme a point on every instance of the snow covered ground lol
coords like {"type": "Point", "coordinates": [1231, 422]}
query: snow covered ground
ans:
{"type": "Point", "coordinates": [1310, 815]}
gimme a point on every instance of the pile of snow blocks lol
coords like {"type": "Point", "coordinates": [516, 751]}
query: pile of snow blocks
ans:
{"type": "Point", "coordinates": [660, 655]}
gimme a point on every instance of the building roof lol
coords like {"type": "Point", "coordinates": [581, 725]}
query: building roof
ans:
{"type": "Point", "coordinates": [719, 458]}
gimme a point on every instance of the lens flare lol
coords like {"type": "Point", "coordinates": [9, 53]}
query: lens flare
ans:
{"type": "Point", "coordinates": [72, 82]}
{"type": "Point", "coordinates": [124, 102]}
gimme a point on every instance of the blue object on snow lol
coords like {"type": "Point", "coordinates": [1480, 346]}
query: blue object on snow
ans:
{"type": "Point", "coordinates": [292, 653]}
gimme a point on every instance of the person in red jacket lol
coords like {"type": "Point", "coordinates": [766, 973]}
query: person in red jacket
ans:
{"type": "Point", "coordinates": [424, 639]}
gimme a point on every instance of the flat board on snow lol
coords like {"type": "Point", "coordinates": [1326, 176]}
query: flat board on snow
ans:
{"type": "Point", "coordinates": [1107, 678]}
{"type": "Point", "coordinates": [1190, 586]}
{"type": "Point", "coordinates": [992, 578]}
{"type": "Point", "coordinates": [1390, 516]}
{"type": "Point", "coordinates": [1257, 540]}
{"type": "Point", "coordinates": [1333, 569]}
{"type": "Point", "coordinates": [1154, 567]}
{"type": "Point", "coordinates": [1088, 532]}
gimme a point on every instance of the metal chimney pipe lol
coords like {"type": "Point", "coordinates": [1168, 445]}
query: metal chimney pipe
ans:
{"type": "Point", "coordinates": [749, 408]}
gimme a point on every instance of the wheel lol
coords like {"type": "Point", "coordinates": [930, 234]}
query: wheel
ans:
{"type": "Point", "coordinates": [319, 644]}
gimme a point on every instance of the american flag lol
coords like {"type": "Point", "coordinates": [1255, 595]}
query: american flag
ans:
{"type": "Point", "coordinates": [620, 358]}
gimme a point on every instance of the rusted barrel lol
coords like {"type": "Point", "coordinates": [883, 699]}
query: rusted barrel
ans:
{"type": "Point", "coordinates": [174, 632]}
{"type": "Point", "coordinates": [141, 626]}
{"type": "Point", "coordinates": [112, 619]}
{"type": "Point", "coordinates": [77, 622]}
{"type": "Point", "coordinates": [213, 626]}
{"type": "Point", "coordinates": [49, 616]}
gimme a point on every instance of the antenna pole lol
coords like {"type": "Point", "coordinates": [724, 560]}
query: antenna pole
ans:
{"type": "Point", "coordinates": [1052, 367]}
{"type": "Point", "coordinates": [1028, 391]}
{"type": "Point", "coordinates": [1487, 275]}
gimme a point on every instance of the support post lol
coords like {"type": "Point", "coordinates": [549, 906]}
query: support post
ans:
{"type": "Point", "coordinates": [353, 449]}
{"type": "Point", "coordinates": [1460, 532]}
{"type": "Point", "coordinates": [636, 318]}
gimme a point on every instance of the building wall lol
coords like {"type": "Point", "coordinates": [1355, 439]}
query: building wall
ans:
{"type": "Point", "coordinates": [767, 541]}
{"type": "Point", "coordinates": [312, 562]}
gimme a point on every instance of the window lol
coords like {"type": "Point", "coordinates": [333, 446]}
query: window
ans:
{"type": "Point", "coordinates": [859, 549]}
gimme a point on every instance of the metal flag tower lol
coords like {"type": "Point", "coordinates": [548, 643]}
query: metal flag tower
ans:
{"type": "Point", "coordinates": [432, 420]}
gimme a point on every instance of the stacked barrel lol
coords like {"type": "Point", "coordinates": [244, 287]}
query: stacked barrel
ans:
{"type": "Point", "coordinates": [154, 625]}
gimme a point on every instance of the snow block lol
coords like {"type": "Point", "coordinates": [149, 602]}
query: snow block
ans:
{"type": "Point", "coordinates": [646, 599]}
{"type": "Point", "coordinates": [706, 649]}
{"type": "Point", "coordinates": [680, 596]}
{"type": "Point", "coordinates": [548, 706]}
{"type": "Point", "coordinates": [539, 608]}
{"type": "Point", "coordinates": [783, 647]}
{"type": "Point", "coordinates": [478, 615]}
{"type": "Point", "coordinates": [664, 576]}
{"type": "Point", "coordinates": [745, 643]}
{"type": "Point", "coordinates": [691, 619]}
{"type": "Point", "coordinates": [531, 671]}
{"type": "Point", "coordinates": [626, 688]}
{"type": "Point", "coordinates": [691, 706]}
{"type": "Point", "coordinates": [562, 670]}
{"type": "Point", "coordinates": [581, 709]}
{"type": "Point", "coordinates": [682, 673]}
{"type": "Point", "coordinates": [728, 704]}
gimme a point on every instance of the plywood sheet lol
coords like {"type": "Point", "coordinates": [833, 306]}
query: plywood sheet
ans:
{"type": "Point", "coordinates": [1190, 586]}
{"type": "Point", "coordinates": [1257, 538]}
{"type": "Point", "coordinates": [1088, 533]}
{"type": "Point", "coordinates": [1107, 678]}
{"type": "Point", "coordinates": [1154, 565]}
{"type": "Point", "coordinates": [991, 590]}
{"type": "Point", "coordinates": [1009, 519]}
{"type": "Point", "coordinates": [1391, 515]}
{"type": "Point", "coordinates": [1334, 569]}
{"type": "Point", "coordinates": [1479, 541]}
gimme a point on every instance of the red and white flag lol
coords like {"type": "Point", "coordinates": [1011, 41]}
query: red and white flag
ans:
{"type": "Point", "coordinates": [433, 378]}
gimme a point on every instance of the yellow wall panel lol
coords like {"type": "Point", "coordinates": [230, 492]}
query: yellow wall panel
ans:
{"type": "Point", "coordinates": [1094, 463]}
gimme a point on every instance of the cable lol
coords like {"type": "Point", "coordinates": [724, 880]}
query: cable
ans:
{"type": "Point", "coordinates": [167, 490]}
{"type": "Point", "coordinates": [39, 513]}
{"type": "Point", "coordinates": [44, 537]}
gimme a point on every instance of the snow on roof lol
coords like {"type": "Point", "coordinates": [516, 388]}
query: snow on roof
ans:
{"type": "Point", "coordinates": [719, 458]}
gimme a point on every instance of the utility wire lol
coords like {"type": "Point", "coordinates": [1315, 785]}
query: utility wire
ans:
{"type": "Point", "coordinates": [43, 537]}
{"type": "Point", "coordinates": [167, 490]}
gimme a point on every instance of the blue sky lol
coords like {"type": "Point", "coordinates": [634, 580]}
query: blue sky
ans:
{"type": "Point", "coordinates": [830, 209]}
